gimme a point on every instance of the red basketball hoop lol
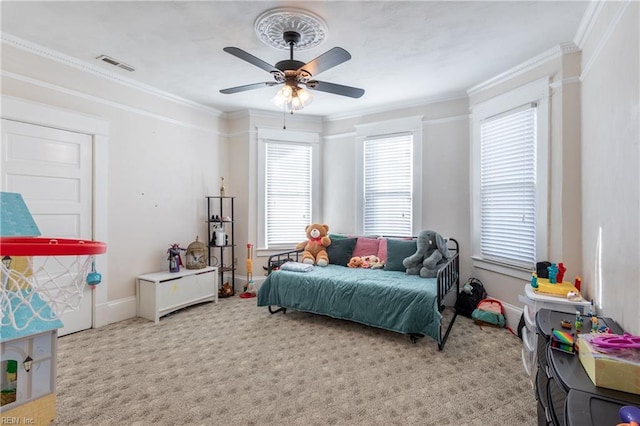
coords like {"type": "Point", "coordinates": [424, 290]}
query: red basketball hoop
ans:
{"type": "Point", "coordinates": [38, 246]}
{"type": "Point", "coordinates": [36, 270]}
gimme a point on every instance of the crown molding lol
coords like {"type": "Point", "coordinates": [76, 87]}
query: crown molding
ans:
{"type": "Point", "coordinates": [59, 57]}
{"type": "Point", "coordinates": [588, 20]}
{"type": "Point", "coordinates": [586, 67]}
{"type": "Point", "coordinates": [82, 95]}
{"type": "Point", "coordinates": [391, 107]}
{"type": "Point", "coordinates": [536, 61]}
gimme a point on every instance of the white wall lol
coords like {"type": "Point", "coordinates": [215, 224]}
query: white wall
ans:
{"type": "Point", "coordinates": [610, 162]}
{"type": "Point", "coordinates": [561, 67]}
{"type": "Point", "coordinates": [174, 153]}
{"type": "Point", "coordinates": [445, 179]}
{"type": "Point", "coordinates": [164, 156]}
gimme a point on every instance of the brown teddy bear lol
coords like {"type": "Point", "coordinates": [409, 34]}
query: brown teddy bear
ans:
{"type": "Point", "coordinates": [314, 247]}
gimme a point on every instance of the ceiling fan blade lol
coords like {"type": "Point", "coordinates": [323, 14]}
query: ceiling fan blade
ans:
{"type": "Point", "coordinates": [245, 56]}
{"type": "Point", "coordinates": [327, 60]}
{"type": "Point", "coordinates": [336, 89]}
{"type": "Point", "coordinates": [247, 87]}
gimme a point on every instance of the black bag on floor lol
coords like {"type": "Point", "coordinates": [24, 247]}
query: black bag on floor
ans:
{"type": "Point", "coordinates": [472, 293]}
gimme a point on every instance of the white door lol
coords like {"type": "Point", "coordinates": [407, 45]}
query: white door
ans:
{"type": "Point", "coordinates": [52, 169]}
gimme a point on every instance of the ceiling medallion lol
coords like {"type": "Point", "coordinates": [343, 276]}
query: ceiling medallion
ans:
{"type": "Point", "coordinates": [273, 23]}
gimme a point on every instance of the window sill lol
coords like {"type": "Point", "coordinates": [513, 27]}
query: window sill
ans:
{"type": "Point", "coordinates": [266, 252]}
{"type": "Point", "coordinates": [502, 268]}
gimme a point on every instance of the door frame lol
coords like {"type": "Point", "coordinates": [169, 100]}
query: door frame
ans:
{"type": "Point", "coordinates": [30, 112]}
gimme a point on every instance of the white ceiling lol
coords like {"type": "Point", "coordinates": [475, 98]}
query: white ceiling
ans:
{"type": "Point", "coordinates": [403, 52]}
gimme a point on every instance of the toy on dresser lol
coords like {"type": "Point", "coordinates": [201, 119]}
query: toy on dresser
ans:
{"type": "Point", "coordinates": [549, 279]}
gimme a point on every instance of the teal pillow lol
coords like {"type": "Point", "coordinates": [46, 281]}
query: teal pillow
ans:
{"type": "Point", "coordinates": [337, 236]}
{"type": "Point", "coordinates": [397, 251]}
{"type": "Point", "coordinates": [340, 251]}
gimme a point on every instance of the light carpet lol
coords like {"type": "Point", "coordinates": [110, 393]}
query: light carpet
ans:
{"type": "Point", "coordinates": [232, 363]}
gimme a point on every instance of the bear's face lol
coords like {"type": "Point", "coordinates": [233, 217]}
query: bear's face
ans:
{"type": "Point", "coordinates": [355, 262]}
{"type": "Point", "coordinates": [316, 230]}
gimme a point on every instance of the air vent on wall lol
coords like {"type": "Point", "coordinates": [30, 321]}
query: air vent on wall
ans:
{"type": "Point", "coordinates": [115, 62]}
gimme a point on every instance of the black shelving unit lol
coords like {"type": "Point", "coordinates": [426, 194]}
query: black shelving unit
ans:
{"type": "Point", "coordinates": [222, 255]}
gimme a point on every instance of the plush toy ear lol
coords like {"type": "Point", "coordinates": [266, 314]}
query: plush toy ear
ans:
{"type": "Point", "coordinates": [326, 229]}
{"type": "Point", "coordinates": [442, 246]}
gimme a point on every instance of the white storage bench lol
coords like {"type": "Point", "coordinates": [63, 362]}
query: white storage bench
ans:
{"type": "Point", "coordinates": [161, 293]}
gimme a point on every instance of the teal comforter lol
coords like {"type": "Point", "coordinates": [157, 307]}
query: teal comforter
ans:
{"type": "Point", "coordinates": [387, 299]}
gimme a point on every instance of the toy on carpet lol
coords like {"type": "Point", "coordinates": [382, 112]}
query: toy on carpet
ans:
{"type": "Point", "coordinates": [314, 248]}
{"type": "Point", "coordinates": [226, 290]}
{"type": "Point", "coordinates": [250, 287]}
{"type": "Point", "coordinates": [431, 252]}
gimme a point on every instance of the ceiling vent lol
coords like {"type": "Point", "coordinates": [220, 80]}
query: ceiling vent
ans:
{"type": "Point", "coordinates": [115, 62]}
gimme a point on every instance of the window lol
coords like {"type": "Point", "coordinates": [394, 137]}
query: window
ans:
{"type": "Point", "coordinates": [507, 186]}
{"type": "Point", "coordinates": [510, 179]}
{"type": "Point", "coordinates": [390, 177]}
{"type": "Point", "coordinates": [287, 195]}
{"type": "Point", "coordinates": [388, 192]}
{"type": "Point", "coordinates": [288, 192]}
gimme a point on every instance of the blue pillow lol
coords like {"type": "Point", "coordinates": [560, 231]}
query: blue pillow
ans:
{"type": "Point", "coordinates": [397, 251]}
{"type": "Point", "coordinates": [340, 251]}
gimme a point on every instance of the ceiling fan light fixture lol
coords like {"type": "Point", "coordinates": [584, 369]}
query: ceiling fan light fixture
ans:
{"type": "Point", "coordinates": [303, 96]}
{"type": "Point", "coordinates": [293, 98]}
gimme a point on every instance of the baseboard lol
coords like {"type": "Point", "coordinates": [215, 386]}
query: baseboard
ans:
{"type": "Point", "coordinates": [114, 311]}
{"type": "Point", "coordinates": [512, 316]}
{"type": "Point", "coordinates": [241, 281]}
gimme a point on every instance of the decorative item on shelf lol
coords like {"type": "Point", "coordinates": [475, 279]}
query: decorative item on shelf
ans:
{"type": "Point", "coordinates": [175, 261]}
{"type": "Point", "coordinates": [553, 273]}
{"type": "Point", "coordinates": [578, 282]}
{"type": "Point", "coordinates": [578, 322]}
{"type": "Point", "coordinates": [196, 255]}
{"type": "Point", "coordinates": [561, 271]}
{"type": "Point", "coordinates": [534, 280]}
{"type": "Point", "coordinates": [219, 237]}
{"type": "Point", "coordinates": [222, 190]}
{"type": "Point", "coordinates": [562, 341]}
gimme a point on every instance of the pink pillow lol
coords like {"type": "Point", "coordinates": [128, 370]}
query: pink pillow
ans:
{"type": "Point", "coordinates": [366, 247]}
{"type": "Point", "coordinates": [382, 249]}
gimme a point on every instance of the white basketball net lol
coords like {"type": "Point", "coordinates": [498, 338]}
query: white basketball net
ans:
{"type": "Point", "coordinates": [58, 281]}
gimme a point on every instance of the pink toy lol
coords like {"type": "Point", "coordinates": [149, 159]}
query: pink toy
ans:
{"type": "Point", "coordinates": [614, 341]}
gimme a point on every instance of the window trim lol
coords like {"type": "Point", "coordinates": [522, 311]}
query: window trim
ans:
{"type": "Point", "coordinates": [534, 92]}
{"type": "Point", "coordinates": [292, 137]}
{"type": "Point", "coordinates": [412, 125]}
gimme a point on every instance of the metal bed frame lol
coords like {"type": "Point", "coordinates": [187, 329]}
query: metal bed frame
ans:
{"type": "Point", "coordinates": [447, 279]}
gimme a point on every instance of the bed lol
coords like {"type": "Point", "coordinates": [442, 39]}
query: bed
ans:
{"type": "Point", "coordinates": [391, 300]}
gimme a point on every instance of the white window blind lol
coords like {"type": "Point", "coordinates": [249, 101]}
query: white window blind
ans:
{"type": "Point", "coordinates": [508, 187]}
{"type": "Point", "coordinates": [388, 185]}
{"type": "Point", "coordinates": [288, 192]}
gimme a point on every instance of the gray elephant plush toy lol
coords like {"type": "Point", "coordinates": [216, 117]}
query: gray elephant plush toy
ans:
{"type": "Point", "coordinates": [432, 251]}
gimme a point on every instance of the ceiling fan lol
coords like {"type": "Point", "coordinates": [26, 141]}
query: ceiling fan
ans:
{"type": "Point", "coordinates": [293, 74]}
